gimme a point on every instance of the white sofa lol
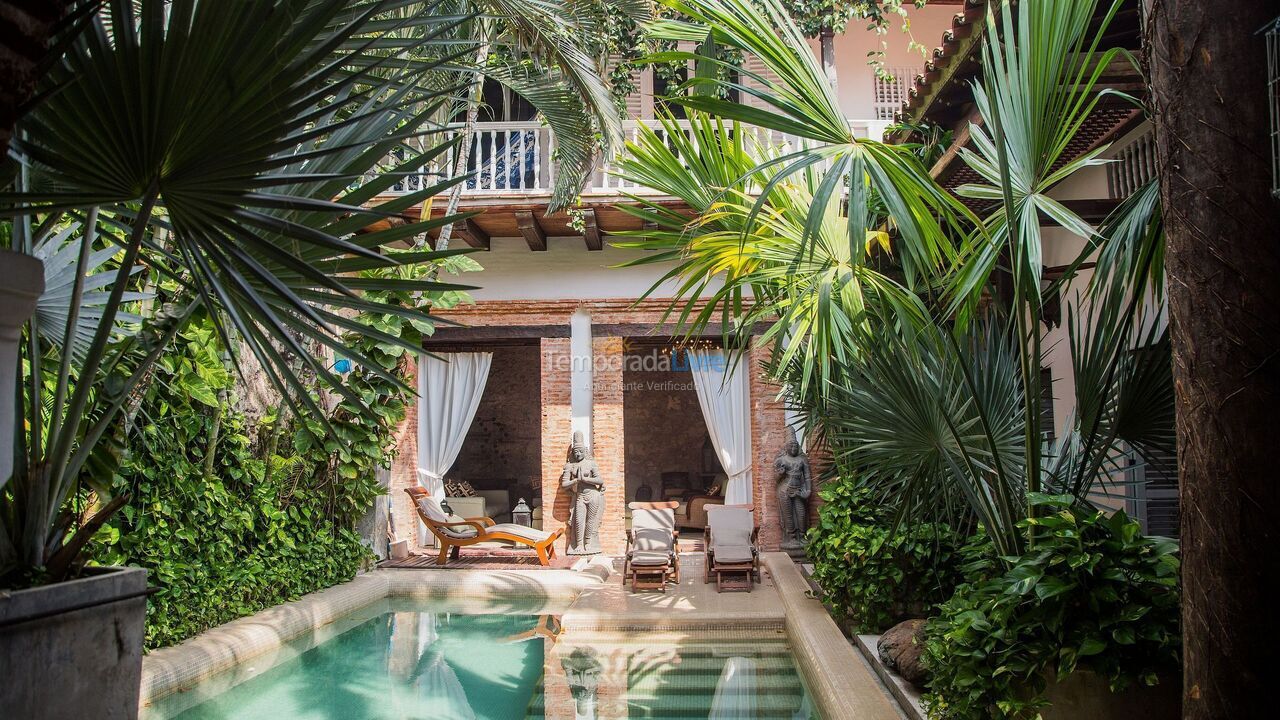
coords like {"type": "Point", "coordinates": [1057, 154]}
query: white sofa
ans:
{"type": "Point", "coordinates": [485, 503]}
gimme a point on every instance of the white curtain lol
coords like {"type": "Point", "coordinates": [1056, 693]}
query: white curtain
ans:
{"type": "Point", "coordinates": [449, 392]}
{"type": "Point", "coordinates": [735, 697]}
{"type": "Point", "coordinates": [725, 398]}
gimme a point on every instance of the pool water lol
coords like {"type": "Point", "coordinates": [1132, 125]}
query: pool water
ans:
{"type": "Point", "coordinates": [389, 662]}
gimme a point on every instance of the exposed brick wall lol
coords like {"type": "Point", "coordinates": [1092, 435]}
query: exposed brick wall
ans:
{"type": "Point", "coordinates": [556, 312]}
{"type": "Point", "coordinates": [768, 421]}
{"type": "Point", "coordinates": [556, 430]}
{"type": "Point", "coordinates": [768, 432]}
{"type": "Point", "coordinates": [665, 429]}
{"type": "Point", "coordinates": [503, 446]}
{"type": "Point", "coordinates": [404, 467]}
{"type": "Point", "coordinates": [607, 442]}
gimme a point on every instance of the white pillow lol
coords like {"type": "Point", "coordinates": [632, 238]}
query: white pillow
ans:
{"type": "Point", "coordinates": [431, 508]}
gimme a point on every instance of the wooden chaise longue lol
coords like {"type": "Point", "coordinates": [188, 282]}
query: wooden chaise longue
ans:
{"type": "Point", "coordinates": [453, 532]}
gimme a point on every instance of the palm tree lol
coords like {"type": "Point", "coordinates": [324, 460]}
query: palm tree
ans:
{"type": "Point", "coordinates": [540, 50]}
{"type": "Point", "coordinates": [927, 398]}
{"type": "Point", "coordinates": [886, 186]}
{"type": "Point", "coordinates": [227, 152]}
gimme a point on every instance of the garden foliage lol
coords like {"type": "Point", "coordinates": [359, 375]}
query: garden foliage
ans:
{"type": "Point", "coordinates": [230, 517]}
{"type": "Point", "coordinates": [1093, 593]}
{"type": "Point", "coordinates": [269, 518]}
{"type": "Point", "coordinates": [871, 574]}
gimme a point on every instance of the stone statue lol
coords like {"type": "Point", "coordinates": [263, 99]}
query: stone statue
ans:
{"type": "Point", "coordinates": [794, 488]}
{"type": "Point", "coordinates": [582, 669]}
{"type": "Point", "coordinates": [581, 476]}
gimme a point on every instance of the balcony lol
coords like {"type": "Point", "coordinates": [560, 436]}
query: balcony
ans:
{"type": "Point", "coordinates": [515, 160]}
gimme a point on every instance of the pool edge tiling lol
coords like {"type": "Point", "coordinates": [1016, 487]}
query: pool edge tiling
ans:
{"type": "Point", "coordinates": [838, 680]}
{"type": "Point", "coordinates": [173, 668]}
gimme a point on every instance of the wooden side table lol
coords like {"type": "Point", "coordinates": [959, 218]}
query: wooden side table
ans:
{"type": "Point", "coordinates": [734, 576]}
{"type": "Point", "coordinates": [649, 577]}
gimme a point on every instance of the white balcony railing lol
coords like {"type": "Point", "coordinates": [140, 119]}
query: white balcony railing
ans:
{"type": "Point", "coordinates": [1132, 166]}
{"type": "Point", "coordinates": [517, 159]}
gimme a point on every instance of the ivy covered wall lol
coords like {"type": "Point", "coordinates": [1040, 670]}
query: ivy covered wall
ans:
{"type": "Point", "coordinates": [230, 518]}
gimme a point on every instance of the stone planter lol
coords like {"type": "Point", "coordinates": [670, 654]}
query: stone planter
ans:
{"type": "Point", "coordinates": [1084, 694]}
{"type": "Point", "coordinates": [73, 650]}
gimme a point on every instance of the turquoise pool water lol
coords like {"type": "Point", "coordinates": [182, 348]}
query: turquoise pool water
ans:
{"type": "Point", "coordinates": [417, 661]}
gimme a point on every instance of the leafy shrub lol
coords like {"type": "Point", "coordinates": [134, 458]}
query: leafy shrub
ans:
{"type": "Point", "coordinates": [229, 519]}
{"type": "Point", "coordinates": [870, 574]}
{"type": "Point", "coordinates": [1093, 593]}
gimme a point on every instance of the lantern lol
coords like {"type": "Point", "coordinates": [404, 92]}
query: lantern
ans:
{"type": "Point", "coordinates": [522, 514]}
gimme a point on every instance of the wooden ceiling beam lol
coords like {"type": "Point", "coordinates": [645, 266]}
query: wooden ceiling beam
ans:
{"type": "Point", "coordinates": [472, 233]}
{"type": "Point", "coordinates": [591, 231]}
{"type": "Point", "coordinates": [533, 233]}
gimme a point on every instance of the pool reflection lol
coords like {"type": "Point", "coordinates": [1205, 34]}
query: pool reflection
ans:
{"type": "Point", "coordinates": [400, 662]}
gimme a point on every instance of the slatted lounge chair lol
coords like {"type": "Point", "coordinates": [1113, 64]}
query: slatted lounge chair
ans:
{"type": "Point", "coordinates": [453, 532]}
{"type": "Point", "coordinates": [730, 546]}
{"type": "Point", "coordinates": [653, 546]}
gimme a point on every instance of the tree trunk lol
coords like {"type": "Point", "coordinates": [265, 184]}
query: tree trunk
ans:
{"type": "Point", "coordinates": [474, 96]}
{"type": "Point", "coordinates": [1209, 88]}
{"type": "Point", "coordinates": [828, 42]}
{"type": "Point", "coordinates": [25, 27]}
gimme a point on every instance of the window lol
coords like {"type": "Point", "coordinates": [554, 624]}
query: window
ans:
{"type": "Point", "coordinates": [1154, 478]}
{"type": "Point", "coordinates": [1046, 405]}
{"type": "Point", "coordinates": [1155, 493]}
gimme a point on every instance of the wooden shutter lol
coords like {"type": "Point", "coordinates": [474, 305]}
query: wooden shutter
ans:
{"type": "Point", "coordinates": [635, 100]}
{"type": "Point", "coordinates": [754, 65]}
{"type": "Point", "coordinates": [1046, 405]}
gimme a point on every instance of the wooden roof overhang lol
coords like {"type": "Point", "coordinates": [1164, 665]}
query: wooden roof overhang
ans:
{"type": "Point", "coordinates": [515, 216]}
{"type": "Point", "coordinates": [942, 94]}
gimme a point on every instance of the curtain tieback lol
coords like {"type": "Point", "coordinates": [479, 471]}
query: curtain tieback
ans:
{"type": "Point", "coordinates": [428, 475]}
{"type": "Point", "coordinates": [740, 474]}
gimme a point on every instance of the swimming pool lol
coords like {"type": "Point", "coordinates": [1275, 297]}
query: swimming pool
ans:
{"type": "Point", "coordinates": [418, 659]}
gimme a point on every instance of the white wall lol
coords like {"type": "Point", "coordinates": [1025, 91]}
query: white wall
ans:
{"type": "Point", "coordinates": [1060, 248]}
{"type": "Point", "coordinates": [856, 79]}
{"type": "Point", "coordinates": [565, 270]}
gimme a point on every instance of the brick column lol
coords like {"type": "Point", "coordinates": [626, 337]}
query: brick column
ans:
{"type": "Point", "coordinates": [404, 469]}
{"type": "Point", "coordinates": [556, 432]}
{"type": "Point", "coordinates": [768, 431]}
{"type": "Point", "coordinates": [607, 443]}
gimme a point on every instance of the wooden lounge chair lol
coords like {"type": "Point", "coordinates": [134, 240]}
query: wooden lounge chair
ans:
{"type": "Point", "coordinates": [730, 547]}
{"type": "Point", "coordinates": [653, 546]}
{"type": "Point", "coordinates": [453, 532]}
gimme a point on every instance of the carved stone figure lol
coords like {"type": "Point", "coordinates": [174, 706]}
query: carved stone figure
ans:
{"type": "Point", "coordinates": [582, 669]}
{"type": "Point", "coordinates": [581, 476]}
{"type": "Point", "coordinates": [794, 488]}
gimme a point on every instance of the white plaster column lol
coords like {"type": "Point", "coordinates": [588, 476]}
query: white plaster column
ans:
{"type": "Point", "coordinates": [795, 421]}
{"type": "Point", "coordinates": [581, 377]}
{"type": "Point", "coordinates": [21, 282]}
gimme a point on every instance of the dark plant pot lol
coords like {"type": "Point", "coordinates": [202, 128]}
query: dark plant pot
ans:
{"type": "Point", "coordinates": [1085, 694]}
{"type": "Point", "coordinates": [73, 650]}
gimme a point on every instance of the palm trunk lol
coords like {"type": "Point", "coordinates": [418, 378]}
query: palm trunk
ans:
{"type": "Point", "coordinates": [25, 29]}
{"type": "Point", "coordinates": [464, 147]}
{"type": "Point", "coordinates": [1208, 78]}
{"type": "Point", "coordinates": [827, 40]}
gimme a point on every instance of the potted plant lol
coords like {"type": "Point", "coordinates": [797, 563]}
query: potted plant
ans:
{"type": "Point", "coordinates": [165, 178]}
